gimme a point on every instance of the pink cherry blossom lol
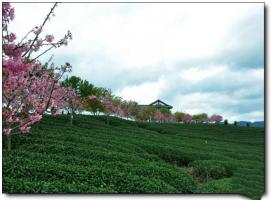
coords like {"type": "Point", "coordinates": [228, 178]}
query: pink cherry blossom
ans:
{"type": "Point", "coordinates": [49, 38]}
{"type": "Point", "coordinates": [158, 116]}
{"type": "Point", "coordinates": [35, 118]}
{"type": "Point", "coordinates": [216, 118]}
{"type": "Point", "coordinates": [12, 37]}
{"type": "Point", "coordinates": [25, 129]}
{"type": "Point", "coordinates": [7, 131]}
{"type": "Point", "coordinates": [39, 107]}
{"type": "Point", "coordinates": [29, 88]}
{"type": "Point", "coordinates": [187, 118]}
{"type": "Point", "coordinates": [92, 97]}
{"type": "Point", "coordinates": [38, 44]}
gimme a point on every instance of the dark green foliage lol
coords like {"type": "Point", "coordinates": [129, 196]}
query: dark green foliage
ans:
{"type": "Point", "coordinates": [179, 116]}
{"type": "Point", "coordinates": [212, 169]}
{"type": "Point", "coordinates": [247, 124]}
{"type": "Point", "coordinates": [235, 123]}
{"type": "Point", "coordinates": [73, 82]}
{"type": "Point", "coordinates": [165, 111]}
{"type": "Point", "coordinates": [133, 157]}
{"type": "Point", "coordinates": [216, 186]}
{"type": "Point", "coordinates": [225, 122]}
{"type": "Point", "coordinates": [200, 117]}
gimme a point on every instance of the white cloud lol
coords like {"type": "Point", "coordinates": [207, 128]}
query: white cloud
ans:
{"type": "Point", "coordinates": [144, 93]}
{"type": "Point", "coordinates": [198, 74]}
{"type": "Point", "coordinates": [252, 116]}
{"type": "Point", "coordinates": [148, 34]}
{"type": "Point", "coordinates": [190, 55]}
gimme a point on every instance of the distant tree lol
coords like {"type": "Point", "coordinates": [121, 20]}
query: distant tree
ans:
{"type": "Point", "coordinates": [247, 124]}
{"type": "Point", "coordinates": [158, 116]}
{"type": "Point", "coordinates": [216, 118]}
{"type": "Point", "coordinates": [93, 96]}
{"type": "Point", "coordinates": [93, 104]}
{"type": "Point", "coordinates": [202, 117]}
{"type": "Point", "coordinates": [225, 122]}
{"type": "Point", "coordinates": [142, 115]}
{"type": "Point", "coordinates": [150, 111]}
{"type": "Point", "coordinates": [117, 106]}
{"type": "Point", "coordinates": [166, 113]}
{"type": "Point", "coordinates": [134, 108]}
{"type": "Point", "coordinates": [85, 88]}
{"type": "Point", "coordinates": [73, 95]}
{"type": "Point", "coordinates": [108, 107]}
{"type": "Point", "coordinates": [187, 118]}
{"type": "Point", "coordinates": [179, 116]}
{"type": "Point", "coordinates": [81, 97]}
{"type": "Point", "coordinates": [235, 123]}
{"type": "Point", "coordinates": [129, 108]}
{"type": "Point", "coordinates": [172, 118]}
{"type": "Point", "coordinates": [73, 82]}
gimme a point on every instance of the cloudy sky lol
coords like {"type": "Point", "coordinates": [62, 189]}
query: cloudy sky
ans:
{"type": "Point", "coordinates": [200, 57]}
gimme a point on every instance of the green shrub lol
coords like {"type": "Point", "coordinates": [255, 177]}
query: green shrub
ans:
{"type": "Point", "coordinates": [207, 170]}
{"type": "Point", "coordinates": [134, 157]}
{"type": "Point", "coordinates": [216, 186]}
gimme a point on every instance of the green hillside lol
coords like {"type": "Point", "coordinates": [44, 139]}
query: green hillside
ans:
{"type": "Point", "coordinates": [132, 157]}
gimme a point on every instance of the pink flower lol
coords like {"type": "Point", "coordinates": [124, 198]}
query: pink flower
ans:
{"type": "Point", "coordinates": [6, 112]}
{"type": "Point", "coordinates": [7, 12]}
{"type": "Point", "coordinates": [186, 118]}
{"type": "Point", "coordinates": [29, 87]}
{"type": "Point", "coordinates": [12, 37]}
{"type": "Point", "coordinates": [39, 107]}
{"type": "Point", "coordinates": [35, 118]}
{"type": "Point", "coordinates": [38, 45]}
{"type": "Point", "coordinates": [49, 38]}
{"type": "Point", "coordinates": [158, 116]}
{"type": "Point", "coordinates": [11, 14]}
{"type": "Point", "coordinates": [25, 129]}
{"type": "Point", "coordinates": [92, 97]}
{"type": "Point", "coordinates": [119, 111]}
{"type": "Point", "coordinates": [216, 118]}
{"type": "Point", "coordinates": [9, 119]}
{"type": "Point", "coordinates": [7, 131]}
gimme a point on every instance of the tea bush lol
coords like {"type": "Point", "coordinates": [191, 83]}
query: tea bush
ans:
{"type": "Point", "coordinates": [134, 157]}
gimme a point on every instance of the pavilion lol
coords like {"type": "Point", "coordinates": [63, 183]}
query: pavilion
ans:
{"type": "Point", "coordinates": [158, 104]}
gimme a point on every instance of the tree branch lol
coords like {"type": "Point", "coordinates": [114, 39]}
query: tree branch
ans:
{"type": "Point", "coordinates": [46, 19]}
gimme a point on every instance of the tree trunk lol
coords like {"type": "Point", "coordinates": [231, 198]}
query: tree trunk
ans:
{"type": "Point", "coordinates": [71, 119]}
{"type": "Point", "coordinates": [9, 142]}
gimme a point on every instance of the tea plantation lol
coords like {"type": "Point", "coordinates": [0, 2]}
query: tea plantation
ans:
{"type": "Point", "coordinates": [131, 157]}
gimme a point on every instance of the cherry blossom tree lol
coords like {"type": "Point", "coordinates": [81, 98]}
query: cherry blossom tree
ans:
{"type": "Point", "coordinates": [158, 116]}
{"type": "Point", "coordinates": [179, 116]}
{"type": "Point", "coordinates": [30, 88]}
{"type": "Point", "coordinates": [186, 118]}
{"type": "Point", "coordinates": [200, 118]}
{"type": "Point", "coordinates": [109, 107]}
{"type": "Point", "coordinates": [172, 118]}
{"type": "Point", "coordinates": [142, 115]}
{"type": "Point", "coordinates": [216, 118]}
{"type": "Point", "coordinates": [129, 108]}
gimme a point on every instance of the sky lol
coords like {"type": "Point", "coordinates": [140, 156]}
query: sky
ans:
{"type": "Point", "coordinates": [197, 57]}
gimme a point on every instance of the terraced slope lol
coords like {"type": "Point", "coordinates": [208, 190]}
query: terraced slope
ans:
{"type": "Point", "coordinates": [130, 157]}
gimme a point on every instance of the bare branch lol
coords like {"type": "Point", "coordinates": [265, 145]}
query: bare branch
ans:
{"type": "Point", "coordinates": [46, 19]}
